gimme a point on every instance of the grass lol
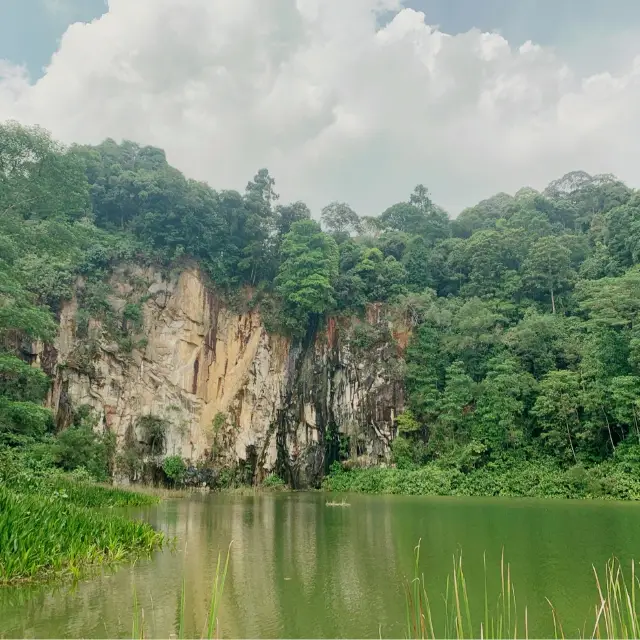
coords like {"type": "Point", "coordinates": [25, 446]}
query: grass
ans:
{"type": "Point", "coordinates": [211, 628]}
{"type": "Point", "coordinates": [154, 494]}
{"type": "Point", "coordinates": [94, 495]}
{"type": "Point", "coordinates": [499, 620]}
{"type": "Point", "coordinates": [616, 615]}
{"type": "Point", "coordinates": [42, 536]}
{"type": "Point", "coordinates": [615, 611]}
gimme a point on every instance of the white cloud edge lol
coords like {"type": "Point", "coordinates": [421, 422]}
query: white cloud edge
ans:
{"type": "Point", "coordinates": [334, 106]}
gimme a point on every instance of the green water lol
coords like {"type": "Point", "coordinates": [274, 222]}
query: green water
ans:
{"type": "Point", "coordinates": [301, 569]}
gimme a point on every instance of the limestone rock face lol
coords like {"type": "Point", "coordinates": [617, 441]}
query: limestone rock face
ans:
{"type": "Point", "coordinates": [222, 382]}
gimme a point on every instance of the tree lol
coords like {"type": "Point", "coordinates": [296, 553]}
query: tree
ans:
{"type": "Point", "coordinates": [261, 192]}
{"type": "Point", "coordinates": [383, 278]}
{"type": "Point", "coordinates": [548, 268]}
{"type": "Point", "coordinates": [613, 302]}
{"type": "Point", "coordinates": [174, 468]}
{"type": "Point", "coordinates": [39, 178]}
{"type": "Point", "coordinates": [403, 217]}
{"type": "Point", "coordinates": [625, 401]}
{"type": "Point", "coordinates": [452, 424]}
{"type": "Point", "coordinates": [20, 317]}
{"type": "Point", "coordinates": [20, 382]}
{"type": "Point", "coordinates": [393, 243]}
{"type": "Point", "coordinates": [492, 261]}
{"type": "Point", "coordinates": [621, 233]}
{"type": "Point", "coordinates": [506, 393]}
{"type": "Point", "coordinates": [339, 217]}
{"type": "Point", "coordinates": [425, 374]}
{"type": "Point", "coordinates": [306, 275]}
{"type": "Point", "coordinates": [543, 342]}
{"type": "Point", "coordinates": [557, 407]}
{"type": "Point", "coordinates": [605, 355]}
{"type": "Point", "coordinates": [287, 214]}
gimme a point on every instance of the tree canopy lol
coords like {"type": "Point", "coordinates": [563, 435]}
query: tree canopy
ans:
{"type": "Point", "coordinates": [525, 329]}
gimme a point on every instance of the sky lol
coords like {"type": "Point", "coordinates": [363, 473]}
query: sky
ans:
{"type": "Point", "coordinates": [349, 100]}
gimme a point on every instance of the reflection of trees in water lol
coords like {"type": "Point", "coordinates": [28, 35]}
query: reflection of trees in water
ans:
{"type": "Point", "coordinates": [297, 567]}
{"type": "Point", "coordinates": [300, 568]}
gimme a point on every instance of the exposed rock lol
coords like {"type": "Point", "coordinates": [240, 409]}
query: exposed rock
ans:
{"type": "Point", "coordinates": [220, 379]}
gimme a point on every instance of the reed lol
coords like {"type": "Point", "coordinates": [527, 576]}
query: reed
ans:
{"type": "Point", "coordinates": [615, 612]}
{"type": "Point", "coordinates": [212, 624]}
{"type": "Point", "coordinates": [45, 536]}
{"type": "Point", "coordinates": [499, 620]}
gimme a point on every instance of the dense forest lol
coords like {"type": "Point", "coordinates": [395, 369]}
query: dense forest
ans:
{"type": "Point", "coordinates": [524, 309]}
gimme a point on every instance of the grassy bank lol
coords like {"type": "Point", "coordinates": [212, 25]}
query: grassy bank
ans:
{"type": "Point", "coordinates": [86, 494]}
{"type": "Point", "coordinates": [54, 524]}
{"type": "Point", "coordinates": [527, 478]}
{"type": "Point", "coordinates": [46, 536]}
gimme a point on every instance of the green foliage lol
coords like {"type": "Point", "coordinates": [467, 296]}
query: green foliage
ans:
{"type": "Point", "coordinates": [468, 473]}
{"type": "Point", "coordinates": [407, 423]}
{"type": "Point", "coordinates": [339, 217]}
{"type": "Point", "coordinates": [305, 278]}
{"type": "Point", "coordinates": [547, 269]}
{"type": "Point", "coordinates": [39, 179]}
{"type": "Point", "coordinates": [273, 481]}
{"type": "Point", "coordinates": [43, 536]}
{"type": "Point", "coordinates": [523, 312]}
{"type": "Point", "coordinates": [407, 453]}
{"type": "Point", "coordinates": [81, 447]}
{"type": "Point", "coordinates": [25, 418]}
{"type": "Point", "coordinates": [174, 468]}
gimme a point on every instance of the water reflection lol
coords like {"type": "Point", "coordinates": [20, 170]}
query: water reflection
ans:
{"type": "Point", "coordinates": [301, 569]}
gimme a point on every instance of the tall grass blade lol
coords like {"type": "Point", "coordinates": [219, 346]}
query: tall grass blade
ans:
{"type": "Point", "coordinates": [216, 594]}
{"type": "Point", "coordinates": [181, 610]}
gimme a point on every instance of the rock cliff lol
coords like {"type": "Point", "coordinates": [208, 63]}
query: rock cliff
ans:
{"type": "Point", "coordinates": [224, 385]}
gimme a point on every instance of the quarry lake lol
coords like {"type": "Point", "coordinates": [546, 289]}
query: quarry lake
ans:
{"type": "Point", "coordinates": [302, 569]}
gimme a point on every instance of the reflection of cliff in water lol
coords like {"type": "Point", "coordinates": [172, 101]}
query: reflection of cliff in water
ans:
{"type": "Point", "coordinates": [293, 560]}
{"type": "Point", "coordinates": [301, 569]}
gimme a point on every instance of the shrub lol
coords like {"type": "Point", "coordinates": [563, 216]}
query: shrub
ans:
{"type": "Point", "coordinates": [175, 469]}
{"type": "Point", "coordinates": [80, 446]}
{"type": "Point", "coordinates": [274, 481]}
{"type": "Point", "coordinates": [407, 453]}
{"type": "Point", "coordinates": [129, 463]}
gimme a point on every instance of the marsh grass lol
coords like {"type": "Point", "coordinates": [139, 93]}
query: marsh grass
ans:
{"type": "Point", "coordinates": [211, 627]}
{"type": "Point", "coordinates": [154, 494]}
{"type": "Point", "coordinates": [99, 495]}
{"type": "Point", "coordinates": [499, 620]}
{"type": "Point", "coordinates": [615, 613]}
{"type": "Point", "coordinates": [42, 537]}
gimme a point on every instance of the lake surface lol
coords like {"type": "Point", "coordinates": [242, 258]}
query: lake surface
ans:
{"type": "Point", "coordinates": [301, 569]}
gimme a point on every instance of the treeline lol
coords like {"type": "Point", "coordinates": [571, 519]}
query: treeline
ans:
{"type": "Point", "coordinates": [524, 308]}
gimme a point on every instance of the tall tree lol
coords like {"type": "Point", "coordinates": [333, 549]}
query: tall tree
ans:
{"type": "Point", "coordinates": [306, 275]}
{"type": "Point", "coordinates": [339, 217]}
{"type": "Point", "coordinates": [548, 268]}
{"type": "Point", "coordinates": [557, 407]}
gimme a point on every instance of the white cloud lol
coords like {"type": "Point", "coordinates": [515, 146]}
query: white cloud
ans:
{"type": "Point", "coordinates": [336, 106]}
